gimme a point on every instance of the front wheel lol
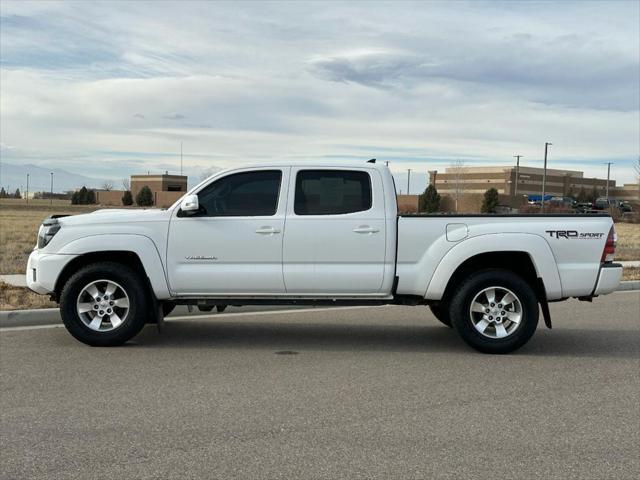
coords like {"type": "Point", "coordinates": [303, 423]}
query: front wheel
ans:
{"type": "Point", "coordinates": [104, 304]}
{"type": "Point", "coordinates": [495, 311]}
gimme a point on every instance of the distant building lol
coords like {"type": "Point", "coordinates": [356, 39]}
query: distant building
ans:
{"type": "Point", "coordinates": [159, 183]}
{"type": "Point", "coordinates": [503, 179]}
{"type": "Point", "coordinates": [166, 189]}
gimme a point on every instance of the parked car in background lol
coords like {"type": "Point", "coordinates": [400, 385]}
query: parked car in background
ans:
{"type": "Point", "coordinates": [583, 207]}
{"type": "Point", "coordinates": [625, 207]}
{"type": "Point", "coordinates": [603, 203]}
{"type": "Point", "coordinates": [562, 202]}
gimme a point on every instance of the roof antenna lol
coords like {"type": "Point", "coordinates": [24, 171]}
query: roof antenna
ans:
{"type": "Point", "coordinates": [373, 160]}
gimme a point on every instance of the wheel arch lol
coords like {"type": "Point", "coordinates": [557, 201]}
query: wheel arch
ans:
{"type": "Point", "coordinates": [517, 262]}
{"type": "Point", "coordinates": [532, 259]}
{"type": "Point", "coordinates": [136, 251]}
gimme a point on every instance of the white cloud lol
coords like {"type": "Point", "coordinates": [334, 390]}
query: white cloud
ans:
{"type": "Point", "coordinates": [119, 85]}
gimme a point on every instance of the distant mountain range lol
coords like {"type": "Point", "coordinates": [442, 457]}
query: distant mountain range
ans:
{"type": "Point", "coordinates": [15, 176]}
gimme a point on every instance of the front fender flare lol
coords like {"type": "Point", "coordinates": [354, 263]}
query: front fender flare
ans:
{"type": "Point", "coordinates": [141, 245]}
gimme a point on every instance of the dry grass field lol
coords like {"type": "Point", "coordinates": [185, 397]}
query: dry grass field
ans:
{"type": "Point", "coordinates": [18, 298]}
{"type": "Point", "coordinates": [19, 224]}
{"type": "Point", "coordinates": [628, 241]}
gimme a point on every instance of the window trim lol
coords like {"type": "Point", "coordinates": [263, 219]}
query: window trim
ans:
{"type": "Point", "coordinates": [339, 170]}
{"type": "Point", "coordinates": [231, 174]}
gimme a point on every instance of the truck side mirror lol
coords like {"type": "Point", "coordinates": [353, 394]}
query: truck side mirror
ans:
{"type": "Point", "coordinates": [190, 204]}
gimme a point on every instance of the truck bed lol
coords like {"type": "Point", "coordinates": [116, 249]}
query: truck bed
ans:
{"type": "Point", "coordinates": [564, 248]}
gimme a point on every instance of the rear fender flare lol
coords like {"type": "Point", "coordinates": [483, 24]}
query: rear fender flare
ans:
{"type": "Point", "coordinates": [535, 246]}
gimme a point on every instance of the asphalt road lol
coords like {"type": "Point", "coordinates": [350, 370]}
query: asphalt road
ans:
{"type": "Point", "coordinates": [381, 392]}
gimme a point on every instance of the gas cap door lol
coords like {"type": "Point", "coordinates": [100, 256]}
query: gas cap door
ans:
{"type": "Point", "coordinates": [457, 232]}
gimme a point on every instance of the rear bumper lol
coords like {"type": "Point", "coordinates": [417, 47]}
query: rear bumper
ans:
{"type": "Point", "coordinates": [44, 269]}
{"type": "Point", "coordinates": [608, 278]}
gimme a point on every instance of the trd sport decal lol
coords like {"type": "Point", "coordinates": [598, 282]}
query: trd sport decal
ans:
{"type": "Point", "coordinates": [574, 235]}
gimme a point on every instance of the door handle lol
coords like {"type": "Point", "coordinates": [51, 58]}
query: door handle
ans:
{"type": "Point", "coordinates": [267, 230]}
{"type": "Point", "coordinates": [366, 229]}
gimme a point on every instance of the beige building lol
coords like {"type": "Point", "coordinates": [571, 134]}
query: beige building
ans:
{"type": "Point", "coordinates": [166, 189]}
{"type": "Point", "coordinates": [159, 183]}
{"type": "Point", "coordinates": [503, 179]}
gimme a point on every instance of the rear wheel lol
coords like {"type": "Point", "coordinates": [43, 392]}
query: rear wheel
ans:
{"type": "Point", "coordinates": [441, 312]}
{"type": "Point", "coordinates": [494, 311]}
{"type": "Point", "coordinates": [104, 304]}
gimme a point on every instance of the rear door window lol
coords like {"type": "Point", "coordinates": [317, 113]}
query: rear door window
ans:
{"type": "Point", "coordinates": [332, 192]}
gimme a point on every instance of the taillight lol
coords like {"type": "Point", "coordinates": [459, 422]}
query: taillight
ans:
{"type": "Point", "coordinates": [610, 246]}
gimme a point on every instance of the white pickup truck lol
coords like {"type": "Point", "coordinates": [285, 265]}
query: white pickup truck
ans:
{"type": "Point", "coordinates": [322, 235]}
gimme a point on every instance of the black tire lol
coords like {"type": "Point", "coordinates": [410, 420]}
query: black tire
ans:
{"type": "Point", "coordinates": [133, 285]}
{"type": "Point", "coordinates": [461, 318]}
{"type": "Point", "coordinates": [441, 312]}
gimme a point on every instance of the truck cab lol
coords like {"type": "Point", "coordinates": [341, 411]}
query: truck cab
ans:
{"type": "Point", "coordinates": [288, 230]}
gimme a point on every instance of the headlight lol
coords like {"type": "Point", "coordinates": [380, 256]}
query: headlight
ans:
{"type": "Point", "coordinates": [48, 229]}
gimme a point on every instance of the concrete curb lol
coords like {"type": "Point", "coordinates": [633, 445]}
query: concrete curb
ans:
{"type": "Point", "coordinates": [629, 263]}
{"type": "Point", "coordinates": [629, 285]}
{"type": "Point", "coordinates": [43, 316]}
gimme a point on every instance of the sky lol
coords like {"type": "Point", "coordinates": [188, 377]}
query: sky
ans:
{"type": "Point", "coordinates": [112, 89]}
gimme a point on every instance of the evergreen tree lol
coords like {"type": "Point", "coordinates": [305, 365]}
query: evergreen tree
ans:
{"type": "Point", "coordinates": [582, 195]}
{"type": "Point", "coordinates": [127, 198]}
{"type": "Point", "coordinates": [430, 200]}
{"type": "Point", "coordinates": [17, 194]}
{"type": "Point", "coordinates": [83, 197]}
{"type": "Point", "coordinates": [490, 201]}
{"type": "Point", "coordinates": [3, 193]}
{"type": "Point", "coordinates": [144, 198]}
{"type": "Point", "coordinates": [594, 194]}
{"type": "Point", "coordinates": [570, 193]}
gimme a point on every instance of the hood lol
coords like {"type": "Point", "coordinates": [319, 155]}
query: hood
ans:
{"type": "Point", "coordinates": [113, 215]}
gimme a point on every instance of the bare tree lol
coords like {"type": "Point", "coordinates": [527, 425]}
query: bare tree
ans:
{"type": "Point", "coordinates": [636, 167]}
{"type": "Point", "coordinates": [459, 169]}
{"type": "Point", "coordinates": [208, 172]}
{"type": "Point", "coordinates": [126, 184]}
{"type": "Point", "coordinates": [107, 185]}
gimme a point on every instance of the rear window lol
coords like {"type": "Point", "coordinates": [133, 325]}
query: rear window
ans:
{"type": "Point", "coordinates": [332, 192]}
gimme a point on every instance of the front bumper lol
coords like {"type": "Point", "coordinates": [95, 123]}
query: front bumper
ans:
{"type": "Point", "coordinates": [43, 270]}
{"type": "Point", "coordinates": [608, 278]}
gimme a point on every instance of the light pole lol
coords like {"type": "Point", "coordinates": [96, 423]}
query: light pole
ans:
{"type": "Point", "coordinates": [408, 181]}
{"type": "Point", "coordinates": [544, 174]}
{"type": "Point", "coordinates": [180, 158]}
{"type": "Point", "coordinates": [51, 192]}
{"type": "Point", "coordinates": [27, 197]}
{"type": "Point", "coordinates": [608, 164]}
{"type": "Point", "coordinates": [517, 157]}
